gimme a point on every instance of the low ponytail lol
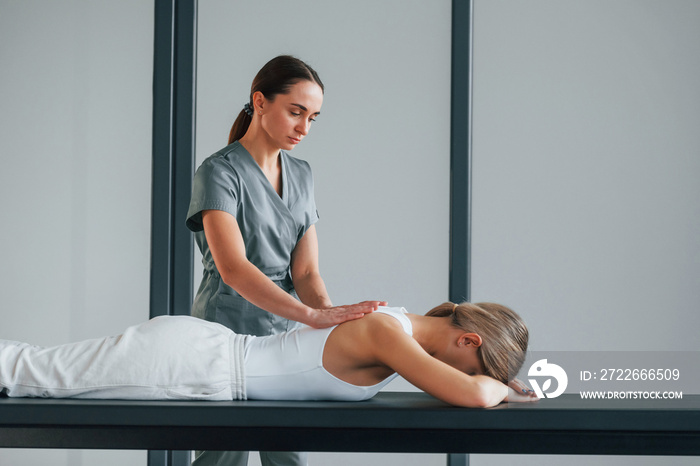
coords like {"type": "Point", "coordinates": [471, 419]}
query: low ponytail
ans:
{"type": "Point", "coordinates": [443, 310]}
{"type": "Point", "coordinates": [240, 126]}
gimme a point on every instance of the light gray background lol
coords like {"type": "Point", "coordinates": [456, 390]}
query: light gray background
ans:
{"type": "Point", "coordinates": [586, 160]}
{"type": "Point", "coordinates": [75, 172]}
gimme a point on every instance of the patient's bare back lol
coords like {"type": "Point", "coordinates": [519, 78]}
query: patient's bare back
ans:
{"type": "Point", "coordinates": [351, 349]}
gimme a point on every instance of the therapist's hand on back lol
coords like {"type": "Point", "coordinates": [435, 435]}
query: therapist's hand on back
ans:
{"type": "Point", "coordinates": [331, 316]}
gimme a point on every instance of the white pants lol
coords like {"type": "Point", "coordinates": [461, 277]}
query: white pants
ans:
{"type": "Point", "coordinates": [169, 357]}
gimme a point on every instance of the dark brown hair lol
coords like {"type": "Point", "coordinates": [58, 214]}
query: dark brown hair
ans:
{"type": "Point", "coordinates": [503, 333]}
{"type": "Point", "coordinates": [276, 77]}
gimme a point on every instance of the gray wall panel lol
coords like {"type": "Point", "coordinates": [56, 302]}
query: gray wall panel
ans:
{"type": "Point", "coordinates": [586, 166]}
{"type": "Point", "coordinates": [75, 146]}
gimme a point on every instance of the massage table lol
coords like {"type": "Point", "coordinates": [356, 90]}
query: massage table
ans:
{"type": "Point", "coordinates": [389, 422]}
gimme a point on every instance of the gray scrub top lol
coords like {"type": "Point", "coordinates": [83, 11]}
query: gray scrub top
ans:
{"type": "Point", "coordinates": [231, 181]}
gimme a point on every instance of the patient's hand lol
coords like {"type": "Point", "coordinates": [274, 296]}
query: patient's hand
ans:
{"type": "Point", "coordinates": [323, 318]}
{"type": "Point", "coordinates": [518, 391]}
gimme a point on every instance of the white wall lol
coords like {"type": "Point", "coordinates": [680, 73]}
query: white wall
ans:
{"type": "Point", "coordinates": [586, 166]}
{"type": "Point", "coordinates": [379, 150]}
{"type": "Point", "coordinates": [75, 168]}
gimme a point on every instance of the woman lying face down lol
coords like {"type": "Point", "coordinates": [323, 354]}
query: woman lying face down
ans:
{"type": "Point", "coordinates": [462, 354]}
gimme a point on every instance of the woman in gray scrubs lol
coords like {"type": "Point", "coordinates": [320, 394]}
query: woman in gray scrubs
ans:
{"type": "Point", "coordinates": [253, 214]}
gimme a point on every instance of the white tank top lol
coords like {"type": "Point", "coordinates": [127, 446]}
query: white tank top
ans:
{"type": "Point", "coordinates": [289, 366]}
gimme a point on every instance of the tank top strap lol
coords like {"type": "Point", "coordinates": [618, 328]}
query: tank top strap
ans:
{"type": "Point", "coordinates": [400, 314]}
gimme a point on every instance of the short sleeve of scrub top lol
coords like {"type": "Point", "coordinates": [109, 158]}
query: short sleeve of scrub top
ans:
{"type": "Point", "coordinates": [271, 226]}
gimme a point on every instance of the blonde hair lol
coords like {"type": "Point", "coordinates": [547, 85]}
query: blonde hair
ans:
{"type": "Point", "coordinates": [503, 333]}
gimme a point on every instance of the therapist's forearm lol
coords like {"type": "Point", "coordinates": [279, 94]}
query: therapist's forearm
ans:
{"type": "Point", "coordinates": [311, 290]}
{"type": "Point", "coordinates": [258, 289]}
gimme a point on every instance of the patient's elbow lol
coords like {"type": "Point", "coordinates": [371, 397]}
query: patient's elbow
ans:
{"type": "Point", "coordinates": [480, 400]}
{"type": "Point", "coordinates": [482, 395]}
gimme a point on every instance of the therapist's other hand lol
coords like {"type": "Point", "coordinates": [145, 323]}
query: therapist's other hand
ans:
{"type": "Point", "coordinates": [323, 318]}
